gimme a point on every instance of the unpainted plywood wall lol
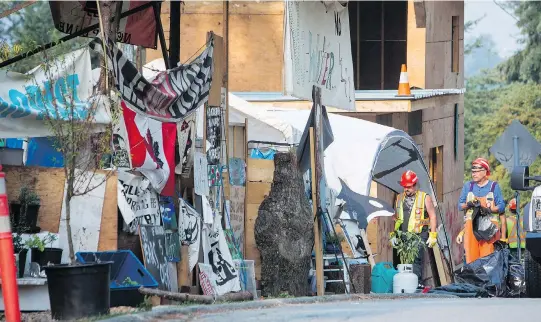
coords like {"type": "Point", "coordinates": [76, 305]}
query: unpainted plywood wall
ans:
{"type": "Point", "coordinates": [49, 183]}
{"type": "Point", "coordinates": [255, 40]}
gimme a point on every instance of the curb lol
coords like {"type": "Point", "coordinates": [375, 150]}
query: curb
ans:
{"type": "Point", "coordinates": [164, 310]}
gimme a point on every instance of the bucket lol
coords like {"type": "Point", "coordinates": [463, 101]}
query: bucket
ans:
{"type": "Point", "coordinates": [78, 291]}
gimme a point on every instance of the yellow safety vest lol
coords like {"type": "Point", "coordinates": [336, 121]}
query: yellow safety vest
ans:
{"type": "Point", "coordinates": [417, 216]}
{"type": "Point", "coordinates": [512, 233]}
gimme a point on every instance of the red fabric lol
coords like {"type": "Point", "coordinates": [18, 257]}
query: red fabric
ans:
{"type": "Point", "coordinates": [513, 204]}
{"type": "Point", "coordinates": [483, 163]}
{"type": "Point", "coordinates": [142, 138]}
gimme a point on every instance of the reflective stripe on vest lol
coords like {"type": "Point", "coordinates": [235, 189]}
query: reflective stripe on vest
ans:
{"type": "Point", "coordinates": [417, 218]}
{"type": "Point", "coordinates": [512, 233]}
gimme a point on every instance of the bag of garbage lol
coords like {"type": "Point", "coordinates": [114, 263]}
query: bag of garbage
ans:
{"type": "Point", "coordinates": [515, 278]}
{"type": "Point", "coordinates": [461, 290]}
{"type": "Point", "coordinates": [489, 272]}
{"type": "Point", "coordinates": [483, 227]}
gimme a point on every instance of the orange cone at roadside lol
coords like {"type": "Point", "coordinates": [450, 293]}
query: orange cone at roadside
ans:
{"type": "Point", "coordinates": [7, 260]}
{"type": "Point", "coordinates": [403, 83]}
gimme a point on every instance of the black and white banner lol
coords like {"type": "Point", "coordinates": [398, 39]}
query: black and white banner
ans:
{"type": "Point", "coordinates": [218, 256]}
{"type": "Point", "coordinates": [189, 227]}
{"type": "Point", "coordinates": [172, 95]}
{"type": "Point", "coordinates": [137, 202]}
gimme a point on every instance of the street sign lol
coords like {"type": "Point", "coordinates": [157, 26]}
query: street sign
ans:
{"type": "Point", "coordinates": [528, 147]}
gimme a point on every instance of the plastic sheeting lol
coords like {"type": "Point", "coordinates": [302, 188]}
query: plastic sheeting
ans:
{"type": "Point", "coordinates": [489, 272]}
{"type": "Point", "coordinates": [460, 290]}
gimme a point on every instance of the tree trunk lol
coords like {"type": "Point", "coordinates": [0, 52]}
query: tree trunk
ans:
{"type": "Point", "coordinates": [205, 299]}
{"type": "Point", "coordinates": [68, 225]}
{"type": "Point", "coordinates": [284, 231]}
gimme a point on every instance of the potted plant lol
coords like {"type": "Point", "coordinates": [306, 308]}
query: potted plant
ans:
{"type": "Point", "coordinates": [20, 251]}
{"type": "Point", "coordinates": [333, 242]}
{"type": "Point", "coordinates": [408, 245]}
{"type": "Point", "coordinates": [25, 211]}
{"type": "Point", "coordinates": [74, 118]}
{"type": "Point", "coordinates": [42, 254]}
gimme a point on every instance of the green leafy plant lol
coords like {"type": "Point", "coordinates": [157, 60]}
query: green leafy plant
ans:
{"type": "Point", "coordinates": [27, 197]}
{"type": "Point", "coordinates": [18, 244]}
{"type": "Point", "coordinates": [407, 245]}
{"type": "Point", "coordinates": [128, 281]}
{"type": "Point", "coordinates": [40, 243]}
{"type": "Point", "coordinates": [334, 239]}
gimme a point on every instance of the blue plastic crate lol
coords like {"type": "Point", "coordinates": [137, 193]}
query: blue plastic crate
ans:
{"type": "Point", "coordinates": [125, 265]}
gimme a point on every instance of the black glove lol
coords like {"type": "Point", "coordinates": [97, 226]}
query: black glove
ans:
{"type": "Point", "coordinates": [470, 204]}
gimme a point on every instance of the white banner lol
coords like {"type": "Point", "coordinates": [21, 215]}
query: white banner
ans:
{"type": "Point", "coordinates": [137, 202]}
{"type": "Point", "coordinates": [218, 256]}
{"type": "Point", "coordinates": [25, 99]}
{"type": "Point", "coordinates": [189, 227]}
{"type": "Point", "coordinates": [317, 51]}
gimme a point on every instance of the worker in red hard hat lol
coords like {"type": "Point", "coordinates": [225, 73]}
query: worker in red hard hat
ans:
{"type": "Point", "coordinates": [511, 223]}
{"type": "Point", "coordinates": [415, 213]}
{"type": "Point", "coordinates": [488, 195]}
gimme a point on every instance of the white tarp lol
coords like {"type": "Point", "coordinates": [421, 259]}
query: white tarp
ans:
{"type": "Point", "coordinates": [317, 51]}
{"type": "Point", "coordinates": [26, 98]}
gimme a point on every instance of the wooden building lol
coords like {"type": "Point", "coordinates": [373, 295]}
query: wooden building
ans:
{"type": "Point", "coordinates": [426, 35]}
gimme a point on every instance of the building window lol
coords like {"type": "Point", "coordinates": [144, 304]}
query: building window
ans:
{"type": "Point", "coordinates": [378, 31]}
{"type": "Point", "coordinates": [435, 166]}
{"type": "Point", "coordinates": [455, 45]}
{"type": "Point", "coordinates": [415, 123]}
{"type": "Point", "coordinates": [455, 141]}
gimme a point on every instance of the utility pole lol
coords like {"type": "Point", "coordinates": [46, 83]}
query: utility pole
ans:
{"type": "Point", "coordinates": [174, 34]}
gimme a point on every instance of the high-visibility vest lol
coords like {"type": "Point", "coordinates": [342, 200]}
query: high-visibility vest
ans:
{"type": "Point", "coordinates": [512, 233]}
{"type": "Point", "coordinates": [417, 218]}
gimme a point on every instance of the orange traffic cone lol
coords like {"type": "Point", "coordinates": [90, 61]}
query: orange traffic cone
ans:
{"type": "Point", "coordinates": [403, 83]}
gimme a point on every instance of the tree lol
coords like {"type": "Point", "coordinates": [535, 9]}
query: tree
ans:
{"type": "Point", "coordinates": [27, 29]}
{"type": "Point", "coordinates": [525, 65]}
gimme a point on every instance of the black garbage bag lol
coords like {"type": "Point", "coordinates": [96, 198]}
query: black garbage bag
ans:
{"type": "Point", "coordinates": [489, 272]}
{"type": "Point", "coordinates": [460, 290]}
{"type": "Point", "coordinates": [483, 227]}
{"type": "Point", "coordinates": [515, 278]}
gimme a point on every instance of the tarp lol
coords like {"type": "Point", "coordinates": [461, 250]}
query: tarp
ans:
{"type": "Point", "coordinates": [26, 98]}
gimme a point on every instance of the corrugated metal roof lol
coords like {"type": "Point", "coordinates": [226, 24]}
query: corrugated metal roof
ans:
{"type": "Point", "coordinates": [385, 95]}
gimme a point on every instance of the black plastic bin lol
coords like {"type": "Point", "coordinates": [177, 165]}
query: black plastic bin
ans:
{"type": "Point", "coordinates": [127, 275]}
{"type": "Point", "coordinates": [78, 291]}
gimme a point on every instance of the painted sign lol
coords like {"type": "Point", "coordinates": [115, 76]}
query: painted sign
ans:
{"type": "Point", "coordinates": [137, 29]}
{"type": "Point", "coordinates": [49, 91]}
{"type": "Point", "coordinates": [236, 214]}
{"type": "Point", "coordinates": [154, 251]}
{"type": "Point", "coordinates": [318, 52]}
{"type": "Point", "coordinates": [201, 183]}
{"type": "Point", "coordinates": [137, 202]}
{"type": "Point", "coordinates": [218, 256]}
{"type": "Point", "coordinates": [214, 134]}
{"type": "Point", "coordinates": [237, 172]}
{"type": "Point", "coordinates": [172, 95]}
{"type": "Point", "coordinates": [190, 231]}
{"type": "Point", "coordinates": [186, 137]}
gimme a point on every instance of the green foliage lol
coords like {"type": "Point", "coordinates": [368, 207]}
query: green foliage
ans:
{"type": "Point", "coordinates": [27, 29]}
{"type": "Point", "coordinates": [334, 239]}
{"type": "Point", "coordinates": [18, 244]}
{"type": "Point", "coordinates": [40, 243]}
{"type": "Point", "coordinates": [28, 197]}
{"type": "Point", "coordinates": [490, 106]}
{"type": "Point", "coordinates": [407, 245]}
{"type": "Point", "coordinates": [129, 282]}
{"type": "Point", "coordinates": [525, 65]}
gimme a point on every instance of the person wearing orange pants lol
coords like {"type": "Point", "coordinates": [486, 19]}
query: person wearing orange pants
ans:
{"type": "Point", "coordinates": [489, 194]}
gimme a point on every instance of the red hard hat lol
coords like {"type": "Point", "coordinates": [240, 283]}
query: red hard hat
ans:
{"type": "Point", "coordinates": [409, 178]}
{"type": "Point", "coordinates": [483, 163]}
{"type": "Point", "coordinates": [513, 204]}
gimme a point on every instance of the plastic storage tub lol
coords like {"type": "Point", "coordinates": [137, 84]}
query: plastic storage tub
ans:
{"type": "Point", "coordinates": [127, 275]}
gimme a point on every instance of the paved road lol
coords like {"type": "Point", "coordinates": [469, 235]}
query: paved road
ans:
{"type": "Point", "coordinates": [403, 310]}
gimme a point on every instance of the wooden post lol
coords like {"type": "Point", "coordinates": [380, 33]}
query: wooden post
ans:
{"type": "Point", "coordinates": [317, 224]}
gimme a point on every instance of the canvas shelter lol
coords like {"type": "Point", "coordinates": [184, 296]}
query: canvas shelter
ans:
{"type": "Point", "coordinates": [361, 152]}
